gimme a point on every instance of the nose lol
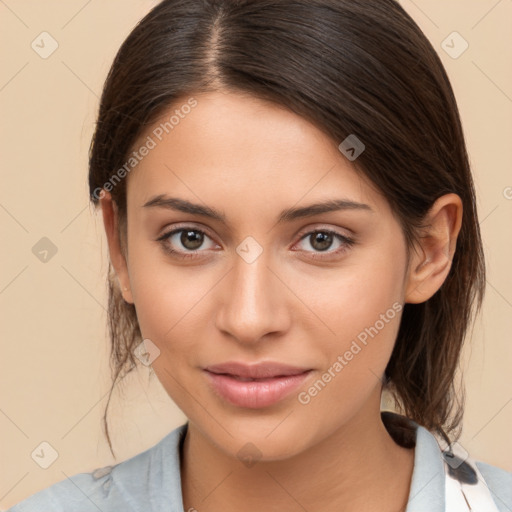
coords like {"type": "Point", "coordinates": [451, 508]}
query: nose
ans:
{"type": "Point", "coordinates": [254, 301]}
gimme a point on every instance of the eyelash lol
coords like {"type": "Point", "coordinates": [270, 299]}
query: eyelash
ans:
{"type": "Point", "coordinates": [348, 243]}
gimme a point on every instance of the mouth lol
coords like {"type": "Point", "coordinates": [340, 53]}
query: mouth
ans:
{"type": "Point", "coordinates": [255, 371]}
{"type": "Point", "coordinates": [255, 386]}
{"type": "Point", "coordinates": [249, 379]}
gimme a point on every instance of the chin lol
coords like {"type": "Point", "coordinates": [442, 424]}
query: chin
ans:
{"type": "Point", "coordinates": [261, 438]}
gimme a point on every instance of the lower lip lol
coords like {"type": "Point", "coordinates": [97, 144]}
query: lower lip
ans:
{"type": "Point", "coordinates": [255, 394]}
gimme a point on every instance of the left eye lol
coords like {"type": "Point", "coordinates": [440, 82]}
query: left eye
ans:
{"type": "Point", "coordinates": [322, 240]}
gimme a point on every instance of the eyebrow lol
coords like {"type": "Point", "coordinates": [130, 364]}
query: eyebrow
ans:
{"type": "Point", "coordinates": [287, 215]}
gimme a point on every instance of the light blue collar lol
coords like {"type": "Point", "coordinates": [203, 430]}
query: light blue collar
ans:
{"type": "Point", "coordinates": [427, 491]}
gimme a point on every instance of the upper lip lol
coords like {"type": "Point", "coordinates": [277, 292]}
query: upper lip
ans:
{"type": "Point", "coordinates": [256, 371]}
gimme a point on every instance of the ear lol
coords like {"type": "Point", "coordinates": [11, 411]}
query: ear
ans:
{"type": "Point", "coordinates": [431, 260]}
{"type": "Point", "coordinates": [111, 223]}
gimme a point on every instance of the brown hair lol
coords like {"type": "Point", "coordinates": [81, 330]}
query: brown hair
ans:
{"type": "Point", "coordinates": [358, 67]}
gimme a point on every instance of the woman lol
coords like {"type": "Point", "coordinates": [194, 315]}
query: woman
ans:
{"type": "Point", "coordinates": [292, 231]}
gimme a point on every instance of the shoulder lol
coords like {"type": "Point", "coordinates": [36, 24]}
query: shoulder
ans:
{"type": "Point", "coordinates": [434, 471]}
{"type": "Point", "coordinates": [480, 481]}
{"type": "Point", "coordinates": [499, 482]}
{"type": "Point", "coordinates": [127, 486]}
{"type": "Point", "coordinates": [79, 492]}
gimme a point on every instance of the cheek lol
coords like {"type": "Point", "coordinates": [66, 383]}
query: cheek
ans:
{"type": "Point", "coordinates": [354, 295]}
{"type": "Point", "coordinates": [168, 305]}
{"type": "Point", "coordinates": [360, 304]}
{"type": "Point", "coordinates": [168, 301]}
{"type": "Point", "coordinates": [354, 358]}
{"type": "Point", "coordinates": [166, 296]}
{"type": "Point", "coordinates": [366, 318]}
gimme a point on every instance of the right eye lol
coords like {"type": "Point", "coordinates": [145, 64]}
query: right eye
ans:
{"type": "Point", "coordinates": [188, 237]}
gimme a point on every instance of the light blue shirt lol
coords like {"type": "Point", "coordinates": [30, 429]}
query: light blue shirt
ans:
{"type": "Point", "coordinates": [150, 482]}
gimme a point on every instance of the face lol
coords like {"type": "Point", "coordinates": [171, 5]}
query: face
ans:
{"type": "Point", "coordinates": [319, 290]}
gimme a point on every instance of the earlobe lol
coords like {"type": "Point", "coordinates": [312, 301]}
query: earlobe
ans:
{"type": "Point", "coordinates": [117, 257]}
{"type": "Point", "coordinates": [432, 258]}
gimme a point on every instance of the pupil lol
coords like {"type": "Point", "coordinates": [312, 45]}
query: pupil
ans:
{"type": "Point", "coordinates": [191, 239]}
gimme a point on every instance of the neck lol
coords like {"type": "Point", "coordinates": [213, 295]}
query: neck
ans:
{"type": "Point", "coordinates": [359, 467]}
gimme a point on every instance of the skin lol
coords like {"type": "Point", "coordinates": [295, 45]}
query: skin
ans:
{"type": "Point", "coordinates": [250, 160]}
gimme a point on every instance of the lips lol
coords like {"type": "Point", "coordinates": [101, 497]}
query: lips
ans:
{"type": "Point", "coordinates": [254, 386]}
{"type": "Point", "coordinates": [255, 371]}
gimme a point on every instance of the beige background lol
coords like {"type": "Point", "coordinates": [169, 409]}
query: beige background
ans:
{"type": "Point", "coordinates": [54, 376]}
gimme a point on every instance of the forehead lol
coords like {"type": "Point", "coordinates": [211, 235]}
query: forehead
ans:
{"type": "Point", "coordinates": [234, 149]}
